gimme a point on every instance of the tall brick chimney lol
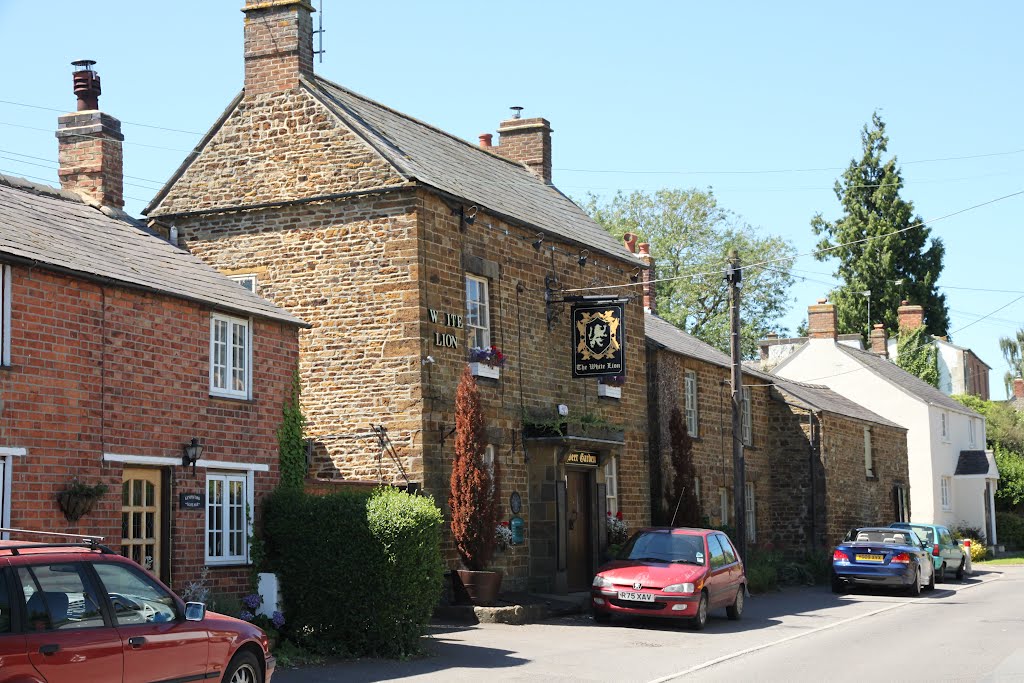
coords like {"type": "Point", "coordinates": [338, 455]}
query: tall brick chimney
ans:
{"type": "Point", "coordinates": [527, 141]}
{"type": "Point", "coordinates": [278, 45]}
{"type": "Point", "coordinates": [879, 340]}
{"type": "Point", "coordinates": [911, 316]}
{"type": "Point", "coordinates": [1018, 388]}
{"type": "Point", "coordinates": [821, 320]}
{"type": "Point", "coordinates": [89, 143]}
{"type": "Point", "coordinates": [650, 303]}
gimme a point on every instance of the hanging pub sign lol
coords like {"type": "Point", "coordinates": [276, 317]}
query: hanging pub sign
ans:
{"type": "Point", "coordinates": [598, 339]}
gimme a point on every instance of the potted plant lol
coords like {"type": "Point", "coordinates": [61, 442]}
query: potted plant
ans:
{"type": "Point", "coordinates": [486, 362]}
{"type": "Point", "coordinates": [611, 387]}
{"type": "Point", "coordinates": [77, 498]}
{"type": "Point", "coordinates": [474, 497]}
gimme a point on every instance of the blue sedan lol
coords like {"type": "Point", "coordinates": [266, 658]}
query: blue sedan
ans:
{"type": "Point", "coordinates": [881, 556]}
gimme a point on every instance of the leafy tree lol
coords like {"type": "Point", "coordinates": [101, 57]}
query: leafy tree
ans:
{"type": "Point", "coordinates": [877, 263]}
{"type": "Point", "coordinates": [474, 494]}
{"type": "Point", "coordinates": [684, 509]}
{"type": "Point", "coordinates": [1013, 352]}
{"type": "Point", "coordinates": [690, 237]}
{"type": "Point", "coordinates": [916, 353]}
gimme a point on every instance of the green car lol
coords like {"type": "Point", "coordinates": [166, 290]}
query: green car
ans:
{"type": "Point", "coordinates": [947, 553]}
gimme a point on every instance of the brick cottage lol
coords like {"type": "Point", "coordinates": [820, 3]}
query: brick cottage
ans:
{"type": "Point", "coordinates": [119, 349]}
{"type": "Point", "coordinates": [407, 248]}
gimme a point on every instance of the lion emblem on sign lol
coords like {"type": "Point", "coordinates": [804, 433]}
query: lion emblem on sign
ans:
{"type": "Point", "coordinates": [598, 334]}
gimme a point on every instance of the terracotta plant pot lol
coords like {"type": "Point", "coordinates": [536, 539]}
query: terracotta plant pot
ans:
{"type": "Point", "coordinates": [481, 587]}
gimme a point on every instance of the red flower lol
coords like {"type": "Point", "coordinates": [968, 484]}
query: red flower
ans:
{"type": "Point", "coordinates": [618, 515]}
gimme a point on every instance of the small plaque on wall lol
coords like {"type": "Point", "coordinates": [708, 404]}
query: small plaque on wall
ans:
{"type": "Point", "coordinates": [191, 501]}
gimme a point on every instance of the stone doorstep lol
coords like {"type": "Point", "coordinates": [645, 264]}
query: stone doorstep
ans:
{"type": "Point", "coordinates": [516, 609]}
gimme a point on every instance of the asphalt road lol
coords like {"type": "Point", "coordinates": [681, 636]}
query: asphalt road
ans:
{"type": "Point", "coordinates": [963, 631]}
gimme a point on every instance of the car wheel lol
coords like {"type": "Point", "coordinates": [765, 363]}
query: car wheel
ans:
{"type": "Point", "coordinates": [838, 585]}
{"type": "Point", "coordinates": [914, 589]}
{"type": "Point", "coordinates": [941, 578]}
{"type": "Point", "coordinates": [735, 610]}
{"type": "Point", "coordinates": [244, 668]}
{"type": "Point", "coordinates": [931, 579]}
{"type": "Point", "coordinates": [701, 620]}
{"type": "Point", "coordinates": [960, 569]}
{"type": "Point", "coordinates": [602, 617]}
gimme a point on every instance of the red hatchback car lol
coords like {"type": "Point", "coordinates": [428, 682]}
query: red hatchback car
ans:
{"type": "Point", "coordinates": [671, 572]}
{"type": "Point", "coordinates": [80, 613]}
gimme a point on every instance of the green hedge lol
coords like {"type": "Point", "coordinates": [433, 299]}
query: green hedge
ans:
{"type": "Point", "coordinates": [1010, 529]}
{"type": "Point", "coordinates": [360, 573]}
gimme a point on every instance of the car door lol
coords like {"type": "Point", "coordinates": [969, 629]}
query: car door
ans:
{"type": "Point", "coordinates": [153, 631]}
{"type": "Point", "coordinates": [14, 661]}
{"type": "Point", "coordinates": [951, 553]}
{"type": "Point", "coordinates": [718, 573]}
{"type": "Point", "coordinates": [735, 567]}
{"type": "Point", "coordinates": [67, 636]}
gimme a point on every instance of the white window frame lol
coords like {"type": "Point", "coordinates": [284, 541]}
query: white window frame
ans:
{"type": "Point", "coordinates": [490, 453]}
{"type": "Point", "coordinates": [723, 503]}
{"type": "Point", "coordinates": [229, 369]}
{"type": "Point", "coordinates": [902, 501]}
{"type": "Point", "coordinates": [483, 327]}
{"type": "Point", "coordinates": [690, 393]}
{"type": "Point", "coordinates": [5, 316]}
{"type": "Point", "coordinates": [971, 431]}
{"type": "Point", "coordinates": [7, 456]}
{"type": "Point", "coordinates": [746, 421]}
{"type": "Point", "coordinates": [946, 492]}
{"type": "Point", "coordinates": [247, 280]}
{"type": "Point", "coordinates": [611, 485]}
{"type": "Point", "coordinates": [751, 510]}
{"type": "Point", "coordinates": [944, 425]}
{"type": "Point", "coordinates": [869, 455]}
{"type": "Point", "coordinates": [225, 478]}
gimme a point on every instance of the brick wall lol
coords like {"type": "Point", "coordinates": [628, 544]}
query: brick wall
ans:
{"type": "Point", "coordinates": [113, 370]}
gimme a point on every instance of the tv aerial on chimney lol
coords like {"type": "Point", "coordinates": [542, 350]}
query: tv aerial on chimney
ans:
{"type": "Point", "coordinates": [319, 32]}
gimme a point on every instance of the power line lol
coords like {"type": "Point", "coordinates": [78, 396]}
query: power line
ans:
{"type": "Point", "coordinates": [54, 164]}
{"type": "Point", "coordinates": [83, 135]}
{"type": "Point", "coordinates": [130, 123]}
{"type": "Point", "coordinates": [48, 181]}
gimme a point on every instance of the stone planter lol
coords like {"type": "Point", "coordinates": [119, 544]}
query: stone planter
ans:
{"type": "Point", "coordinates": [481, 587]}
{"type": "Point", "coordinates": [484, 370]}
{"type": "Point", "coordinates": [609, 391]}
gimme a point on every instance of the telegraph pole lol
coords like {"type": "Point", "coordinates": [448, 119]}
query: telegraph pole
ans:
{"type": "Point", "coordinates": [734, 276]}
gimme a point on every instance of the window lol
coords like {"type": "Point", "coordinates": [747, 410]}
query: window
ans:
{"type": "Point", "coordinates": [723, 502]}
{"type": "Point", "coordinates": [478, 314]}
{"type": "Point", "coordinates": [902, 503]}
{"type": "Point", "coordinates": [751, 511]}
{"type": "Point", "coordinates": [5, 315]}
{"type": "Point", "coordinates": [58, 597]}
{"type": "Point", "coordinates": [136, 598]}
{"type": "Point", "coordinates": [748, 432]}
{"type": "Point", "coordinates": [970, 431]}
{"type": "Point", "coordinates": [690, 390]}
{"type": "Point", "coordinates": [5, 604]}
{"type": "Point", "coordinates": [869, 456]}
{"type": "Point", "coordinates": [717, 558]}
{"type": "Point", "coordinates": [248, 281]}
{"type": "Point", "coordinates": [611, 485]}
{"type": "Point", "coordinates": [944, 425]}
{"type": "Point", "coordinates": [230, 356]}
{"type": "Point", "coordinates": [947, 493]}
{"type": "Point", "coordinates": [227, 524]}
{"type": "Point", "coordinates": [490, 453]}
{"type": "Point", "coordinates": [727, 549]}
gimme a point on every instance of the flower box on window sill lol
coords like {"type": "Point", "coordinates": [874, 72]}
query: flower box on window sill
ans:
{"type": "Point", "coordinates": [609, 391]}
{"type": "Point", "coordinates": [484, 370]}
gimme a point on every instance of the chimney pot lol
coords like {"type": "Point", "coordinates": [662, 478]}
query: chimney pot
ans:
{"type": "Point", "coordinates": [823, 300]}
{"type": "Point", "coordinates": [86, 84]}
{"type": "Point", "coordinates": [645, 248]}
{"type": "Point", "coordinates": [485, 140]}
{"type": "Point", "coordinates": [629, 239]}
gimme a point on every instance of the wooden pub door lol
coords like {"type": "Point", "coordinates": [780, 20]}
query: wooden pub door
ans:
{"type": "Point", "coordinates": [579, 572]}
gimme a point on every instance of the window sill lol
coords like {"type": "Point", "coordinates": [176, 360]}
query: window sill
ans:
{"type": "Point", "coordinates": [233, 399]}
{"type": "Point", "coordinates": [226, 564]}
{"type": "Point", "coordinates": [871, 477]}
{"type": "Point", "coordinates": [484, 370]}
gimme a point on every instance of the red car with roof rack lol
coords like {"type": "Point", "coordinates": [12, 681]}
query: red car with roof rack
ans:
{"type": "Point", "coordinates": [77, 612]}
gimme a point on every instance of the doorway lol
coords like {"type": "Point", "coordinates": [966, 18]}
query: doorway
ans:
{"type": "Point", "coordinates": [579, 572]}
{"type": "Point", "coordinates": [141, 508]}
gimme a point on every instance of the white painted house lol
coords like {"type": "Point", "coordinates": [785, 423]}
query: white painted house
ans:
{"type": "Point", "coordinates": [952, 476]}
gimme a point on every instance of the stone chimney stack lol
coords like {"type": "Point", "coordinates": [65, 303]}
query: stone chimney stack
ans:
{"type": "Point", "coordinates": [911, 316]}
{"type": "Point", "coordinates": [527, 141]}
{"type": "Point", "coordinates": [650, 303]}
{"type": "Point", "coordinates": [879, 340]}
{"type": "Point", "coordinates": [1018, 388]}
{"type": "Point", "coordinates": [89, 143]}
{"type": "Point", "coordinates": [821, 320]}
{"type": "Point", "coordinates": [278, 45]}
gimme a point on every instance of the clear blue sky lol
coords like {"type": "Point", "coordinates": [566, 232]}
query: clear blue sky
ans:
{"type": "Point", "coordinates": [641, 95]}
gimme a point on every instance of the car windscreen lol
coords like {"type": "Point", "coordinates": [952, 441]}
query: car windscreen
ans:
{"type": "Point", "coordinates": [925, 532]}
{"type": "Point", "coordinates": [662, 546]}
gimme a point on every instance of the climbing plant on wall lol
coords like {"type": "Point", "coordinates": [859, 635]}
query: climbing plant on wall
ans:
{"type": "Point", "coordinates": [916, 353]}
{"type": "Point", "coordinates": [291, 444]}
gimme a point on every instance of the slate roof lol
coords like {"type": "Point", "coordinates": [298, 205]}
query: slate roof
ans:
{"type": "Point", "coordinates": [60, 230]}
{"type": "Point", "coordinates": [431, 156]}
{"type": "Point", "coordinates": [912, 384]}
{"type": "Point", "coordinates": [811, 396]}
{"type": "Point", "coordinates": [972, 462]}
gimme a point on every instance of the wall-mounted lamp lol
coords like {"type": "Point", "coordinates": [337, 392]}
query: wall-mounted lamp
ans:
{"type": "Point", "coordinates": [584, 255]}
{"type": "Point", "coordinates": [190, 453]}
{"type": "Point", "coordinates": [636, 275]}
{"type": "Point", "coordinates": [539, 241]}
{"type": "Point", "coordinates": [466, 216]}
